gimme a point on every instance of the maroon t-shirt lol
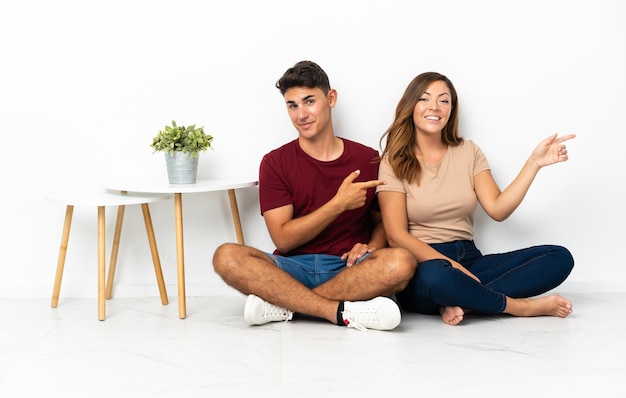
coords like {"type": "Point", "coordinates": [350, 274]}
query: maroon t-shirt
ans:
{"type": "Point", "coordinates": [288, 176]}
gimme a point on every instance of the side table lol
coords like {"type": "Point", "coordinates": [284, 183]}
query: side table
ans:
{"type": "Point", "coordinates": [202, 185]}
{"type": "Point", "coordinates": [100, 198]}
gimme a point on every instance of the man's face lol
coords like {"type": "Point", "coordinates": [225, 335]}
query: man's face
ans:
{"type": "Point", "coordinates": [310, 110]}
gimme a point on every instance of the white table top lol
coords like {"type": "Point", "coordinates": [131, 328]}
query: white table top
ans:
{"type": "Point", "coordinates": [163, 186]}
{"type": "Point", "coordinates": [97, 196]}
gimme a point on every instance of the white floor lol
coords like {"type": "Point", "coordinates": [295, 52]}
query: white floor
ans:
{"type": "Point", "coordinates": [144, 350]}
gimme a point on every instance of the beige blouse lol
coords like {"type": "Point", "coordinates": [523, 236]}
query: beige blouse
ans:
{"type": "Point", "coordinates": [441, 209]}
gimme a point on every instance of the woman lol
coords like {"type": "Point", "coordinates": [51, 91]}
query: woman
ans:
{"type": "Point", "coordinates": [434, 180]}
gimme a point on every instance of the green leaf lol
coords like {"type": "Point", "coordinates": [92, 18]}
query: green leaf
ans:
{"type": "Point", "coordinates": [180, 138]}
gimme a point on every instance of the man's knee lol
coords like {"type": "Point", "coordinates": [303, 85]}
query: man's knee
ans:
{"type": "Point", "coordinates": [224, 256]}
{"type": "Point", "coordinates": [404, 261]}
{"type": "Point", "coordinates": [400, 265]}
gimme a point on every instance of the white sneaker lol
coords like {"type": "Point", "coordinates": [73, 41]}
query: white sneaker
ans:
{"type": "Point", "coordinates": [258, 311]}
{"type": "Point", "coordinates": [380, 313]}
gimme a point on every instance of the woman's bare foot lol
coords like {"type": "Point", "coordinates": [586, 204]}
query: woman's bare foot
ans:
{"type": "Point", "coordinates": [554, 305]}
{"type": "Point", "coordinates": [452, 315]}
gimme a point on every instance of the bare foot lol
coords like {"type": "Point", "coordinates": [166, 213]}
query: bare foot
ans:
{"type": "Point", "coordinates": [452, 315]}
{"type": "Point", "coordinates": [554, 305]}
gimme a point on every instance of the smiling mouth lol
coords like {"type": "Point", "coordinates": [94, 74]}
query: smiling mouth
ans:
{"type": "Point", "coordinates": [434, 118]}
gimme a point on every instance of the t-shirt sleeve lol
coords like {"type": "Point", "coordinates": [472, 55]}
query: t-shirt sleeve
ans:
{"type": "Point", "coordinates": [480, 160]}
{"type": "Point", "coordinates": [273, 189]}
{"type": "Point", "coordinates": [385, 173]}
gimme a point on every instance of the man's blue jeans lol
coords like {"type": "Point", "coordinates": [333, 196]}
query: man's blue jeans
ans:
{"type": "Point", "coordinates": [312, 270]}
{"type": "Point", "coordinates": [521, 273]}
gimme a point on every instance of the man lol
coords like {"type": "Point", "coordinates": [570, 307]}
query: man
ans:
{"type": "Point", "coordinates": [318, 201]}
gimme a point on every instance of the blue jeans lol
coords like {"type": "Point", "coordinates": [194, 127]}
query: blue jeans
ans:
{"type": "Point", "coordinates": [311, 270]}
{"type": "Point", "coordinates": [521, 273]}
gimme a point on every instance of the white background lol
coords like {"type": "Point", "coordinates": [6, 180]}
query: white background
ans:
{"type": "Point", "coordinates": [85, 85]}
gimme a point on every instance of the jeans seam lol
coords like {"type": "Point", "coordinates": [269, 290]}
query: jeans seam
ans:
{"type": "Point", "coordinates": [516, 268]}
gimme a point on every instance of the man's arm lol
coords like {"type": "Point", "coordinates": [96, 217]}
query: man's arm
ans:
{"type": "Point", "coordinates": [379, 238]}
{"type": "Point", "coordinates": [288, 232]}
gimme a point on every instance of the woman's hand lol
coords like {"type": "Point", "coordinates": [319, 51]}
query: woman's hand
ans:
{"type": "Point", "coordinates": [551, 150]}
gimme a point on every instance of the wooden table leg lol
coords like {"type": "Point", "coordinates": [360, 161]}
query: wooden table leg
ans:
{"type": "Point", "coordinates": [69, 210]}
{"type": "Point", "coordinates": [234, 209]}
{"type": "Point", "coordinates": [180, 255]}
{"type": "Point", "coordinates": [101, 263]}
{"type": "Point", "coordinates": [115, 250]}
{"type": "Point", "coordinates": [155, 252]}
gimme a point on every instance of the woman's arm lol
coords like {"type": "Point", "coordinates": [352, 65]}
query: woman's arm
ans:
{"type": "Point", "coordinates": [394, 211]}
{"type": "Point", "coordinates": [499, 205]}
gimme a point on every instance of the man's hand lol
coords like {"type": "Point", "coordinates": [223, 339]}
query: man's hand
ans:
{"type": "Point", "coordinates": [357, 252]}
{"type": "Point", "coordinates": [351, 195]}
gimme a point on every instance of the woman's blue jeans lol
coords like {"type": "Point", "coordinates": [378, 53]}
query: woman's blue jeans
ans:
{"type": "Point", "coordinates": [521, 273]}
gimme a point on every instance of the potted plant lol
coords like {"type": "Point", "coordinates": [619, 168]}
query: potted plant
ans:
{"type": "Point", "coordinates": [181, 146]}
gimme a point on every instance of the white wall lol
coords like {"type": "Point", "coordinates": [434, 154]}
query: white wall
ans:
{"type": "Point", "coordinates": [85, 85]}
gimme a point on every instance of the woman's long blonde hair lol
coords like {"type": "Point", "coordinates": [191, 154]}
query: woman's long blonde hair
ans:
{"type": "Point", "coordinates": [401, 134]}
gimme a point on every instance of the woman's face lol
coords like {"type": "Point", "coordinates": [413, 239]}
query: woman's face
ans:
{"type": "Point", "coordinates": [433, 108]}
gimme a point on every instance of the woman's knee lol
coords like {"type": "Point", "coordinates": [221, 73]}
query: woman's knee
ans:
{"type": "Point", "coordinates": [564, 258]}
{"type": "Point", "coordinates": [434, 273]}
{"type": "Point", "coordinates": [560, 255]}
